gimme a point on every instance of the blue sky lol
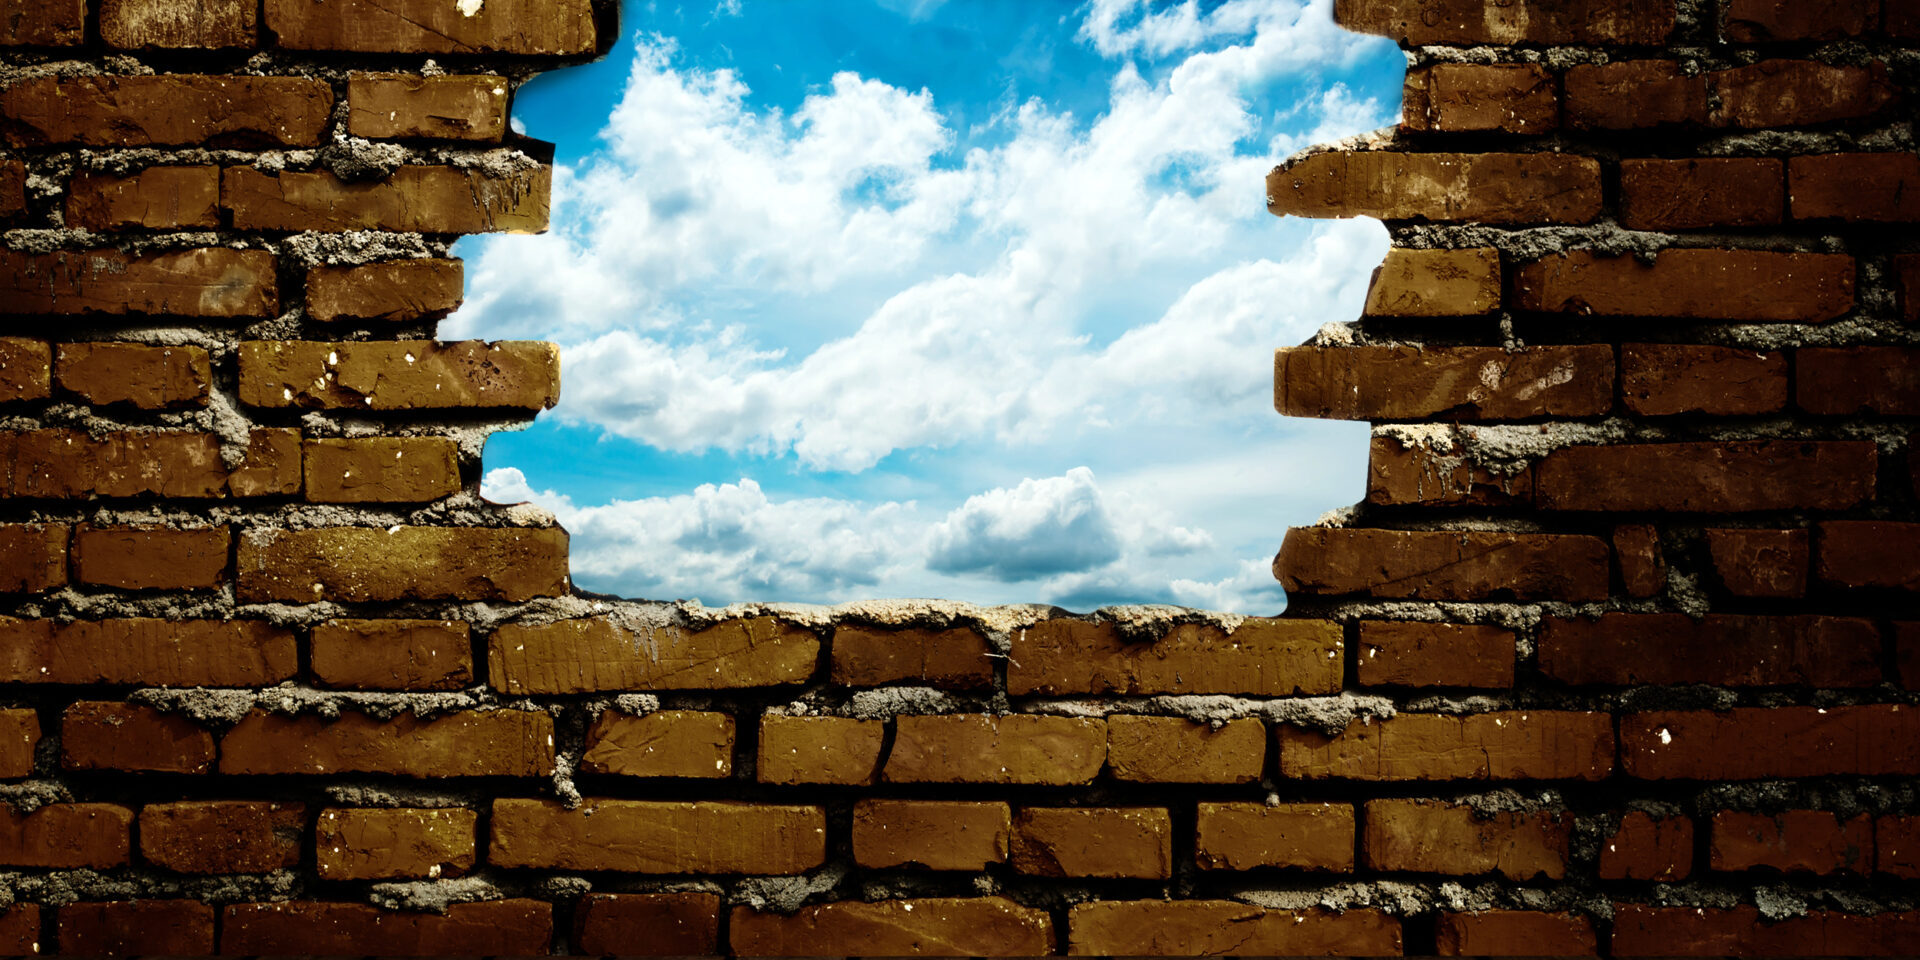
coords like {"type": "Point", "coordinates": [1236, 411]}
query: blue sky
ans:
{"type": "Point", "coordinates": [909, 298]}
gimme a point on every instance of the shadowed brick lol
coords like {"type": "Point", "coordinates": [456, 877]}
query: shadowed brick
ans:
{"type": "Point", "coordinates": [1812, 841]}
{"type": "Point", "coordinates": [1897, 842]}
{"type": "Point", "coordinates": [1116, 842]}
{"type": "Point", "coordinates": [1243, 836]}
{"type": "Point", "coordinates": [1708, 477]}
{"type": "Point", "coordinates": [667, 743]}
{"type": "Point", "coordinates": [1647, 931]}
{"type": "Point", "coordinates": [658, 837]}
{"type": "Point", "coordinates": [1701, 192]}
{"type": "Point", "coordinates": [1262, 656]}
{"type": "Point", "coordinates": [837, 750]}
{"type": "Point", "coordinates": [958, 926]}
{"type": "Point", "coordinates": [1197, 927]}
{"type": "Point", "coordinates": [1754, 285]}
{"type": "Point", "coordinates": [1841, 381]}
{"type": "Point", "coordinates": [1869, 554]}
{"type": "Point", "coordinates": [1761, 563]}
{"type": "Point", "coordinates": [1425, 836]}
{"type": "Point", "coordinates": [1435, 565]}
{"type": "Point", "coordinates": [20, 927]}
{"type": "Point", "coordinates": [1856, 187]}
{"type": "Point", "coordinates": [222, 836]}
{"type": "Point", "coordinates": [1503, 745]}
{"type": "Point", "coordinates": [26, 369]}
{"type": "Point", "coordinates": [979, 748]}
{"type": "Point", "coordinates": [1764, 21]}
{"type": "Point", "coordinates": [1410, 653]}
{"type": "Point", "coordinates": [166, 928]}
{"type": "Point", "coordinates": [1470, 22]}
{"type": "Point", "coordinates": [1754, 743]}
{"type": "Point", "coordinates": [43, 23]}
{"type": "Point", "coordinates": [516, 928]}
{"type": "Point", "coordinates": [1505, 188]}
{"type": "Point", "coordinates": [1642, 562]}
{"type": "Point", "coordinates": [1645, 847]}
{"type": "Point", "coordinates": [647, 924]}
{"type": "Point", "coordinates": [99, 735]}
{"type": "Point", "coordinates": [1719, 649]}
{"type": "Point", "coordinates": [354, 844]}
{"type": "Point", "coordinates": [1516, 933]}
{"type": "Point", "coordinates": [468, 743]}
{"type": "Point", "coordinates": [1178, 750]}
{"type": "Point", "coordinates": [151, 558]}
{"type": "Point", "coordinates": [65, 835]}
{"type": "Point", "coordinates": [1663, 379]}
{"type": "Point", "coordinates": [934, 834]}
{"type": "Point", "coordinates": [580, 656]}
{"type": "Point", "coordinates": [19, 734]}
{"type": "Point", "coordinates": [36, 557]}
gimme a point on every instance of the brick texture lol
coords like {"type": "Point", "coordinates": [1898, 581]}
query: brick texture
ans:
{"type": "Point", "coordinates": [351, 844]}
{"type": "Point", "coordinates": [1107, 842]}
{"type": "Point", "coordinates": [657, 837]}
{"type": "Point", "coordinates": [1504, 745]}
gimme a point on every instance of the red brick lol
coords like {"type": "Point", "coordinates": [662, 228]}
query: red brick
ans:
{"type": "Point", "coordinates": [1504, 745]}
{"type": "Point", "coordinates": [468, 743]}
{"type": "Point", "coordinates": [65, 835]}
{"type": "Point", "coordinates": [1469, 22]}
{"type": "Point", "coordinates": [167, 928]}
{"type": "Point", "coordinates": [1740, 476]}
{"type": "Point", "coordinates": [237, 112]}
{"type": "Point", "coordinates": [101, 735]}
{"type": "Point", "coordinates": [1426, 836]}
{"type": "Point", "coordinates": [1906, 269]}
{"type": "Point", "coordinates": [19, 734]}
{"type": "Point", "coordinates": [20, 926]}
{"type": "Point", "coordinates": [1856, 187]}
{"type": "Point", "coordinates": [1843, 381]}
{"type": "Point", "coordinates": [1901, 18]}
{"type": "Point", "coordinates": [1647, 931]}
{"type": "Point", "coordinates": [1792, 93]}
{"type": "Point", "coordinates": [149, 378]}
{"type": "Point", "coordinates": [1633, 94]}
{"type": "Point", "coordinates": [932, 834]}
{"type": "Point", "coordinates": [1450, 383]}
{"type": "Point", "coordinates": [70, 464]}
{"type": "Point", "coordinates": [1177, 750]}
{"type": "Point", "coordinates": [211, 282]}
{"type": "Point", "coordinates": [1645, 847]}
{"type": "Point", "coordinates": [955, 658]}
{"type": "Point", "coordinates": [583, 656]}
{"type": "Point", "coordinates": [413, 199]}
{"type": "Point", "coordinates": [1438, 472]}
{"type": "Point", "coordinates": [1906, 653]}
{"type": "Point", "coordinates": [1758, 743]}
{"type": "Point", "coordinates": [154, 198]}
{"type": "Point", "coordinates": [1196, 927]}
{"type": "Point", "coordinates": [535, 27]}
{"type": "Point", "coordinates": [43, 23]}
{"type": "Point", "coordinates": [667, 743]}
{"type": "Point", "coordinates": [1764, 21]}
{"type": "Point", "coordinates": [1437, 565]}
{"type": "Point", "coordinates": [353, 564]}
{"type": "Point", "coordinates": [395, 291]}
{"type": "Point", "coordinates": [638, 836]}
{"type": "Point", "coordinates": [1638, 556]}
{"type": "Point", "coordinates": [1897, 843]}
{"type": "Point", "coordinates": [150, 558]}
{"type": "Point", "coordinates": [1460, 97]}
{"type": "Point", "coordinates": [26, 369]}
{"type": "Point", "coordinates": [394, 844]}
{"type": "Point", "coordinates": [1813, 841]}
{"type": "Point", "coordinates": [958, 926]}
{"type": "Point", "coordinates": [1516, 933]}
{"type": "Point", "coordinates": [197, 24]}
{"type": "Point", "coordinates": [520, 928]}
{"type": "Point", "coordinates": [222, 836]}
{"type": "Point", "coordinates": [1692, 284]}
{"type": "Point", "coordinates": [1435, 283]}
{"type": "Point", "coordinates": [1505, 188]}
{"type": "Point", "coordinates": [392, 654]}
{"type": "Point", "coordinates": [1866, 553]}
{"type": "Point", "coordinates": [1262, 656]}
{"type": "Point", "coordinates": [1110, 842]}
{"type": "Point", "coordinates": [147, 652]}
{"type": "Point", "coordinates": [33, 557]}
{"type": "Point", "coordinates": [1719, 649]}
{"type": "Point", "coordinates": [981, 748]}
{"type": "Point", "coordinates": [399, 375]}
{"type": "Point", "coordinates": [1701, 192]}
{"type": "Point", "coordinates": [382, 469]}
{"type": "Point", "coordinates": [1660, 379]}
{"type": "Point", "coordinates": [1243, 836]}
{"type": "Point", "coordinates": [1411, 653]}
{"type": "Point", "coordinates": [836, 750]}
{"type": "Point", "coordinates": [647, 924]}
{"type": "Point", "coordinates": [1761, 563]}
{"type": "Point", "coordinates": [404, 105]}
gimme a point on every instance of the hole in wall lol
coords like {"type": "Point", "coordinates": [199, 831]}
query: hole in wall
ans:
{"type": "Point", "coordinates": [941, 299]}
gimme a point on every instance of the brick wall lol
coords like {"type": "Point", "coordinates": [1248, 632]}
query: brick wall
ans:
{"type": "Point", "coordinates": [1615, 656]}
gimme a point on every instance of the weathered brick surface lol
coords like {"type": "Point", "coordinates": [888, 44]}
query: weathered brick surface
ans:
{"type": "Point", "coordinates": [578, 656]}
{"type": "Point", "coordinates": [1502, 745]}
{"type": "Point", "coordinates": [20, 927]}
{"type": "Point", "coordinates": [1516, 933]}
{"type": "Point", "coordinates": [1761, 563]}
{"type": "Point", "coordinates": [1468, 22]}
{"type": "Point", "coordinates": [1640, 559]}
{"type": "Point", "coordinates": [103, 735]}
{"type": "Point", "coordinates": [65, 835]}
{"type": "Point", "coordinates": [658, 837]}
{"type": "Point", "coordinates": [1450, 383]}
{"type": "Point", "coordinates": [151, 558]}
{"type": "Point", "coordinates": [26, 370]}
{"type": "Point", "coordinates": [1460, 97]}
{"type": "Point", "coordinates": [496, 743]}
{"type": "Point", "coordinates": [1441, 187]}
{"type": "Point", "coordinates": [381, 469]}
{"type": "Point", "coordinates": [1872, 187]}
{"type": "Point", "coordinates": [13, 182]}
{"type": "Point", "coordinates": [515, 928]}
{"type": "Point", "coordinates": [1897, 846]}
{"type": "Point", "coordinates": [414, 199]}
{"type": "Point", "coordinates": [1811, 841]}
{"type": "Point", "coordinates": [148, 652]}
{"type": "Point", "coordinates": [1764, 21]}
{"type": "Point", "coordinates": [402, 563]}
{"type": "Point", "coordinates": [351, 844]}
{"type": "Point", "coordinates": [1780, 93]}
{"type": "Point", "coordinates": [1754, 743]}
{"type": "Point", "coordinates": [155, 198]}
{"type": "Point", "coordinates": [1244, 836]}
{"type": "Point", "coordinates": [165, 110]}
{"type": "Point", "coordinates": [1646, 847]}
{"type": "Point", "coordinates": [393, 291]}
{"type": "Point", "coordinates": [1209, 927]}
{"type": "Point", "coordinates": [980, 748]}
{"type": "Point", "coordinates": [1262, 656]}
{"type": "Point", "coordinates": [1442, 566]}
{"type": "Point", "coordinates": [1641, 930]}
{"type": "Point", "coordinates": [1752, 285]}
{"type": "Point", "coordinates": [399, 375]}
{"type": "Point", "coordinates": [419, 26]}
{"type": "Point", "coordinates": [169, 24]}
{"type": "Point", "coordinates": [176, 928]}
{"type": "Point", "coordinates": [1436, 283]}
{"type": "Point", "coordinates": [19, 734]}
{"type": "Point", "coordinates": [835, 750]}
{"type": "Point", "coordinates": [959, 926]}
{"type": "Point", "coordinates": [1411, 653]}
{"type": "Point", "coordinates": [647, 924]}
{"type": "Point", "coordinates": [1838, 381]}
{"type": "Point", "coordinates": [1870, 554]}
{"type": "Point", "coordinates": [392, 654]}
{"type": "Point", "coordinates": [222, 836]}
{"type": "Point", "coordinates": [69, 464]}
{"type": "Point", "coordinates": [1633, 94]}
{"type": "Point", "coordinates": [934, 834]}
{"type": "Point", "coordinates": [1701, 192]}
{"type": "Point", "coordinates": [1721, 649]}
{"type": "Point", "coordinates": [1426, 836]}
{"type": "Point", "coordinates": [43, 23]}
{"type": "Point", "coordinates": [1109, 842]}
{"type": "Point", "coordinates": [1176, 750]}
{"type": "Point", "coordinates": [36, 557]}
{"type": "Point", "coordinates": [1436, 474]}
{"type": "Point", "coordinates": [1707, 477]}
{"type": "Point", "coordinates": [669, 743]}
{"type": "Point", "coordinates": [1661, 379]}
{"type": "Point", "coordinates": [149, 378]}
{"type": "Point", "coordinates": [209, 282]}
{"type": "Point", "coordinates": [402, 105]}
{"type": "Point", "coordinates": [954, 658]}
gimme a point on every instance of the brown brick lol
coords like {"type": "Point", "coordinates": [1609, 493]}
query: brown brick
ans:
{"type": "Point", "coordinates": [147, 652]}
{"type": "Point", "coordinates": [1470, 22]}
{"type": "Point", "coordinates": [520, 928]}
{"type": "Point", "coordinates": [26, 369]}
{"type": "Point", "coordinates": [1765, 21]}
{"type": "Point", "coordinates": [1757, 743]}
{"type": "Point", "coordinates": [413, 199]}
{"type": "Point", "coordinates": [382, 469]}
{"type": "Point", "coordinates": [1503, 745]}
{"type": "Point", "coordinates": [542, 27]}
{"type": "Point", "coordinates": [1739, 476]}
{"type": "Point", "coordinates": [668, 743]}
{"type": "Point", "coordinates": [954, 658]}
{"type": "Point", "coordinates": [222, 836]}
{"type": "Point", "coordinates": [1434, 565]}
{"type": "Point", "coordinates": [1633, 94]}
{"type": "Point", "coordinates": [1113, 842]}
{"type": "Point", "coordinates": [638, 836]}
{"type": "Point", "coordinates": [20, 923]}
{"type": "Point", "coordinates": [958, 926]}
{"type": "Point", "coordinates": [1177, 750]}
{"type": "Point", "coordinates": [647, 924]}
{"type": "Point", "coordinates": [1856, 187]}
{"type": "Point", "coordinates": [1693, 284]}
{"type": "Point", "coordinates": [1196, 927]}
{"type": "Point", "coordinates": [1648, 848]}
{"type": "Point", "coordinates": [1242, 836]}
{"type": "Point", "coordinates": [19, 734]}
{"type": "Point", "coordinates": [399, 375]}
{"type": "Point", "coordinates": [933, 834]}
{"type": "Point", "coordinates": [1906, 653]}
{"type": "Point", "coordinates": [1897, 846]}
{"type": "Point", "coordinates": [1262, 656]}
{"type": "Point", "coordinates": [392, 654]}
{"type": "Point", "coordinates": [834, 750]}
{"type": "Point", "coordinates": [1813, 841]}
{"type": "Point", "coordinates": [33, 557]}
{"type": "Point", "coordinates": [102, 735]}
{"type": "Point", "coordinates": [1760, 563]}
{"type": "Point", "coordinates": [1906, 268]}
{"type": "Point", "coordinates": [272, 465]}
{"type": "Point", "coordinates": [403, 105]}
{"type": "Point", "coordinates": [1648, 931]}
{"type": "Point", "coordinates": [1663, 379]}
{"type": "Point", "coordinates": [68, 464]}
{"type": "Point", "coordinates": [1436, 283]}
{"type": "Point", "coordinates": [583, 656]}
{"type": "Point", "coordinates": [65, 835]}
{"type": "Point", "coordinates": [1501, 188]}
{"type": "Point", "coordinates": [1412, 653]}
{"type": "Point", "coordinates": [167, 928]}
{"type": "Point", "coordinates": [13, 177]}
{"type": "Point", "coordinates": [1793, 93]}
{"type": "Point", "coordinates": [1516, 933]}
{"type": "Point", "coordinates": [392, 844]}
{"type": "Point", "coordinates": [150, 378]}
{"type": "Point", "coordinates": [151, 558]}
{"type": "Point", "coordinates": [353, 564]}
{"type": "Point", "coordinates": [154, 198]}
{"type": "Point", "coordinates": [43, 23]}
{"type": "Point", "coordinates": [979, 748]}
{"type": "Point", "coordinates": [1901, 18]}
{"type": "Point", "coordinates": [1641, 562]}
{"type": "Point", "coordinates": [1719, 649]}
{"type": "Point", "coordinates": [1701, 192]}
{"type": "Point", "coordinates": [211, 282]}
{"type": "Point", "coordinates": [1449, 383]}
{"type": "Point", "coordinates": [1427, 836]}
{"type": "Point", "coordinates": [198, 24]}
{"type": "Point", "coordinates": [236, 112]}
{"type": "Point", "coordinates": [1866, 553]}
{"type": "Point", "coordinates": [1438, 472]}
{"type": "Point", "coordinates": [1462, 97]}
{"type": "Point", "coordinates": [394, 291]}
{"type": "Point", "coordinates": [468, 743]}
{"type": "Point", "coordinates": [1842, 381]}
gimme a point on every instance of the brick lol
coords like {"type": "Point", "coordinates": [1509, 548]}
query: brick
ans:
{"type": "Point", "coordinates": [1516, 933]}
{"type": "Point", "coordinates": [1648, 931]}
{"type": "Point", "coordinates": [979, 748]}
{"type": "Point", "coordinates": [13, 180]}
{"type": "Point", "coordinates": [1766, 21]}
{"type": "Point", "coordinates": [1469, 22]}
{"type": "Point", "coordinates": [210, 282]}
{"type": "Point", "coordinates": [1436, 283]}
{"type": "Point", "coordinates": [222, 836]}
{"type": "Point", "coordinates": [1243, 836]}
{"type": "Point", "coordinates": [103, 735]}
{"type": "Point", "coordinates": [1633, 95]}
{"type": "Point", "coordinates": [667, 743]}
{"type": "Point", "coordinates": [149, 378]}
{"type": "Point", "coordinates": [238, 112]}
{"type": "Point", "coordinates": [1897, 846]}
{"type": "Point", "coordinates": [1901, 18]}
{"type": "Point", "coordinates": [1196, 927]}
{"type": "Point", "coordinates": [65, 835]}
{"type": "Point", "coordinates": [1906, 268]}
{"type": "Point", "coordinates": [1502, 745]}
{"type": "Point", "coordinates": [1638, 556]}
{"type": "Point", "coordinates": [353, 564]}
{"type": "Point", "coordinates": [835, 750]}
{"type": "Point", "coordinates": [1811, 841]}
{"type": "Point", "coordinates": [33, 557]}
{"type": "Point", "coordinates": [583, 656]}
{"type": "Point", "coordinates": [1447, 383]}
{"type": "Point", "coordinates": [19, 734]}
{"type": "Point", "coordinates": [1719, 649]}
{"type": "Point", "coordinates": [1504, 188]}
{"type": "Point", "coordinates": [1906, 653]}
{"type": "Point", "coordinates": [26, 370]}
{"type": "Point", "coordinates": [1740, 476]}
{"type": "Point", "coordinates": [381, 469]}
{"type": "Point", "coordinates": [70, 464]}
{"type": "Point", "coordinates": [412, 199]}
{"type": "Point", "coordinates": [931, 834]}
{"type": "Point", "coordinates": [1691, 284]}
{"type": "Point", "coordinates": [20, 926]}
{"type": "Point", "coordinates": [647, 924]}
{"type": "Point", "coordinates": [1855, 187]}
{"type": "Point", "coordinates": [1793, 93]}
{"type": "Point", "coordinates": [1461, 97]}
{"type": "Point", "coordinates": [1416, 654]}
{"type": "Point", "coordinates": [1663, 379]}
{"type": "Point", "coordinates": [1761, 563]}
{"type": "Point", "coordinates": [639, 836]}
{"type": "Point", "coordinates": [467, 743]}
{"type": "Point", "coordinates": [392, 654]}
{"type": "Point", "coordinates": [1435, 565]}
{"type": "Point", "coordinates": [1262, 656]}
{"type": "Point", "coordinates": [271, 467]}
{"type": "Point", "coordinates": [156, 198]}
{"type": "Point", "coordinates": [1870, 554]}
{"type": "Point", "coordinates": [534, 27]}
{"type": "Point", "coordinates": [1109, 842]}
{"type": "Point", "coordinates": [43, 23]}
{"type": "Point", "coordinates": [399, 375]}
{"type": "Point", "coordinates": [953, 659]}
{"type": "Point", "coordinates": [167, 928]}
{"type": "Point", "coordinates": [521, 928]}
{"type": "Point", "coordinates": [174, 24]}
{"type": "Point", "coordinates": [394, 291]}
{"type": "Point", "coordinates": [147, 652]}
{"type": "Point", "coordinates": [393, 844]}
{"type": "Point", "coordinates": [1438, 472]}
{"type": "Point", "coordinates": [1426, 836]}
{"type": "Point", "coordinates": [1645, 847]}
{"type": "Point", "coordinates": [384, 106]}
{"type": "Point", "coordinates": [943, 926]}
{"type": "Point", "coordinates": [1701, 192]}
{"type": "Point", "coordinates": [1843, 381]}
{"type": "Point", "coordinates": [1757, 743]}
{"type": "Point", "coordinates": [1177, 750]}
{"type": "Point", "coordinates": [151, 558]}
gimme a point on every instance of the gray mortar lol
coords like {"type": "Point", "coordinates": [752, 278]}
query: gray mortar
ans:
{"type": "Point", "coordinates": [787, 894]}
{"type": "Point", "coordinates": [30, 795]}
{"type": "Point", "coordinates": [1329, 715]}
{"type": "Point", "coordinates": [1459, 705]}
{"type": "Point", "coordinates": [1778, 903]}
{"type": "Point", "coordinates": [227, 707]}
{"type": "Point", "coordinates": [1526, 245]}
{"type": "Point", "coordinates": [391, 797]}
{"type": "Point", "coordinates": [353, 159]}
{"type": "Point", "coordinates": [69, 886]}
{"type": "Point", "coordinates": [883, 703]}
{"type": "Point", "coordinates": [433, 896]}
